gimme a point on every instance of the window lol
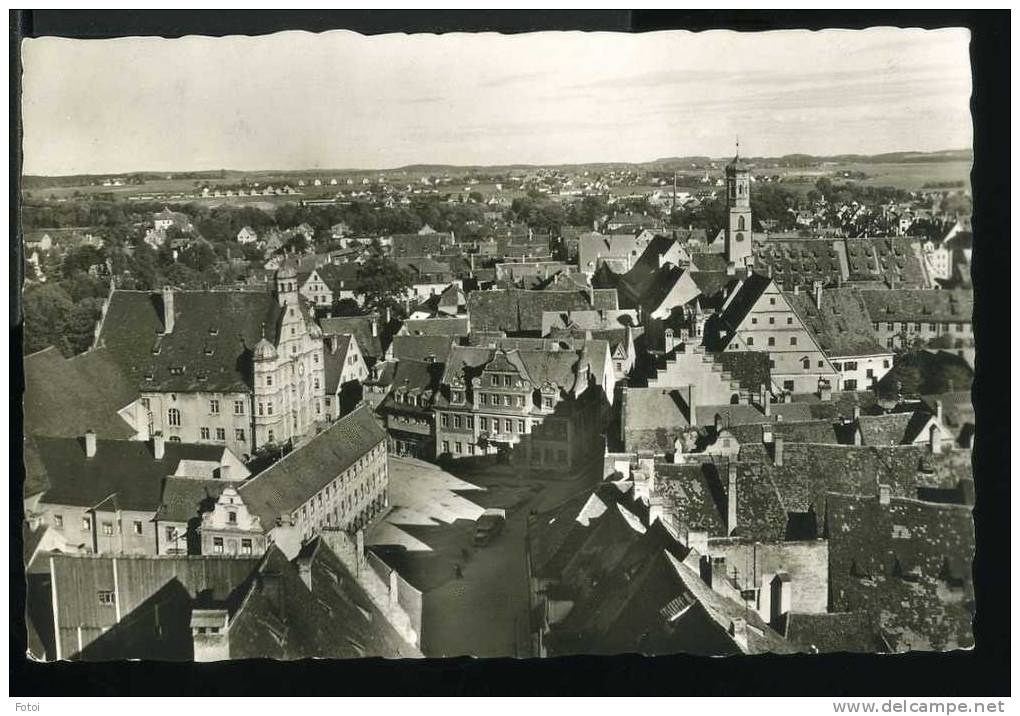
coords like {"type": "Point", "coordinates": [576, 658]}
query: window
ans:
{"type": "Point", "coordinates": [506, 400]}
{"type": "Point", "coordinates": [932, 327]}
{"type": "Point", "coordinates": [772, 320]}
{"type": "Point", "coordinates": [458, 448]}
{"type": "Point", "coordinates": [137, 527]}
{"type": "Point", "coordinates": [469, 422]}
{"type": "Point", "coordinates": [508, 425]}
{"type": "Point", "coordinates": [850, 384]}
{"type": "Point", "coordinates": [772, 300]}
{"type": "Point", "coordinates": [850, 365]}
{"type": "Point", "coordinates": [889, 342]}
{"type": "Point", "coordinates": [494, 381]}
{"type": "Point", "coordinates": [269, 407]}
{"type": "Point", "coordinates": [772, 364]}
{"type": "Point", "coordinates": [58, 522]}
{"type": "Point", "coordinates": [203, 433]}
{"type": "Point", "coordinates": [871, 373]}
{"type": "Point", "coordinates": [520, 426]}
{"type": "Point", "coordinates": [270, 436]}
{"type": "Point", "coordinates": [483, 423]}
{"type": "Point", "coordinates": [837, 366]}
{"type": "Point", "coordinates": [316, 383]}
{"type": "Point", "coordinates": [890, 326]}
{"type": "Point", "coordinates": [917, 327]}
{"type": "Point", "coordinates": [145, 403]}
{"type": "Point", "coordinates": [214, 407]}
{"type": "Point", "coordinates": [547, 402]}
{"type": "Point", "coordinates": [173, 417]}
{"type": "Point", "coordinates": [788, 385]}
{"type": "Point", "coordinates": [754, 321]}
{"type": "Point", "coordinates": [246, 546]}
{"type": "Point", "coordinates": [217, 545]}
{"type": "Point", "coordinates": [446, 446]}
{"type": "Point", "coordinates": [772, 340]}
{"type": "Point", "coordinates": [171, 534]}
{"type": "Point", "coordinates": [821, 364]}
{"type": "Point", "coordinates": [221, 434]}
{"type": "Point", "coordinates": [485, 398]}
{"type": "Point", "coordinates": [750, 340]}
{"type": "Point", "coordinates": [105, 597]}
{"type": "Point", "coordinates": [318, 408]}
{"type": "Point", "coordinates": [506, 381]}
{"type": "Point", "coordinates": [444, 420]}
{"type": "Point", "coordinates": [885, 363]}
{"type": "Point", "coordinates": [239, 434]}
{"type": "Point", "coordinates": [456, 422]}
{"type": "Point", "coordinates": [458, 396]}
{"type": "Point", "coordinates": [269, 380]}
{"type": "Point", "coordinates": [806, 363]}
{"type": "Point", "coordinates": [107, 528]}
{"type": "Point", "coordinates": [789, 320]}
{"type": "Point", "coordinates": [238, 407]}
{"type": "Point", "coordinates": [86, 524]}
{"type": "Point", "coordinates": [232, 518]}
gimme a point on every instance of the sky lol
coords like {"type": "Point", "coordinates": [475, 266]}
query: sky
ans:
{"type": "Point", "coordinates": [297, 100]}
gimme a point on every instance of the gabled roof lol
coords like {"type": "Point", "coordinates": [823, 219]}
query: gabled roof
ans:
{"type": "Point", "coordinates": [919, 305]}
{"type": "Point", "coordinates": [340, 277]}
{"type": "Point", "coordinates": [334, 360]}
{"type": "Point", "coordinates": [209, 348]}
{"type": "Point", "coordinates": [301, 474]}
{"type": "Point", "coordinates": [123, 474]}
{"type": "Point", "coordinates": [842, 326]}
{"type": "Point", "coordinates": [187, 498]}
{"type": "Point", "coordinates": [66, 397]}
{"type": "Point", "coordinates": [740, 305]}
{"type": "Point", "coordinates": [520, 311]}
{"type": "Point", "coordinates": [281, 618]}
{"type": "Point", "coordinates": [893, 428]}
{"type": "Point", "coordinates": [360, 327]}
{"type": "Point", "coordinates": [422, 348]}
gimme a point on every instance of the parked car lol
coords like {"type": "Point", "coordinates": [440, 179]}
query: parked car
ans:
{"type": "Point", "coordinates": [489, 525]}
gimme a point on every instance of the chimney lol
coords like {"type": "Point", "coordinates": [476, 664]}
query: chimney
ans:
{"type": "Point", "coordinates": [857, 413]}
{"type": "Point", "coordinates": [935, 439]}
{"type": "Point", "coordinates": [692, 405]}
{"type": "Point", "coordinates": [824, 389]}
{"type": "Point", "coordinates": [796, 290]}
{"type": "Point", "coordinates": [157, 445]}
{"type": "Point", "coordinates": [817, 285]}
{"type": "Point", "coordinates": [777, 443]}
{"type": "Point", "coordinates": [938, 411]}
{"type": "Point", "coordinates": [731, 499]}
{"type": "Point", "coordinates": [678, 450]}
{"type": "Point", "coordinates": [304, 568]}
{"type": "Point", "coordinates": [168, 309]}
{"type": "Point", "coordinates": [766, 434]}
{"type": "Point", "coordinates": [209, 629]}
{"type": "Point", "coordinates": [731, 269]}
{"type": "Point", "coordinates": [781, 597]}
{"type": "Point", "coordinates": [375, 325]}
{"type": "Point", "coordinates": [738, 630]}
{"type": "Point", "coordinates": [591, 294]}
{"type": "Point", "coordinates": [766, 400]}
{"type": "Point", "coordinates": [90, 443]}
{"type": "Point", "coordinates": [884, 494]}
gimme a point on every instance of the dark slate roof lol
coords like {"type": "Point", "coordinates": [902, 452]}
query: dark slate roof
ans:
{"type": "Point", "coordinates": [919, 305]}
{"type": "Point", "coordinates": [907, 563]}
{"type": "Point", "coordinates": [442, 326]}
{"type": "Point", "coordinates": [894, 428]}
{"type": "Point", "coordinates": [281, 618]}
{"type": "Point", "coordinates": [301, 474]}
{"type": "Point", "coordinates": [821, 432]}
{"type": "Point", "coordinates": [340, 277]}
{"type": "Point", "coordinates": [360, 327]}
{"type": "Point", "coordinates": [422, 348]}
{"type": "Point", "coordinates": [334, 360]}
{"type": "Point", "coordinates": [413, 245]}
{"type": "Point", "coordinates": [66, 397]}
{"type": "Point", "coordinates": [842, 326]}
{"type": "Point", "coordinates": [520, 311]}
{"type": "Point", "coordinates": [214, 334]}
{"type": "Point", "coordinates": [126, 468]}
{"type": "Point", "coordinates": [705, 261]}
{"type": "Point", "coordinates": [853, 632]}
{"type": "Point", "coordinates": [751, 368]}
{"type": "Point", "coordinates": [696, 491]}
{"type": "Point", "coordinates": [415, 377]}
{"type": "Point", "coordinates": [187, 498]}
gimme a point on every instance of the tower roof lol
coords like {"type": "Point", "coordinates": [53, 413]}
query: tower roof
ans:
{"type": "Point", "coordinates": [737, 165]}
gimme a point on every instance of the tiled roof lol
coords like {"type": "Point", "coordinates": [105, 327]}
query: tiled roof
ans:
{"type": "Point", "coordinates": [919, 305]}
{"type": "Point", "coordinates": [340, 277]}
{"type": "Point", "coordinates": [334, 360]}
{"type": "Point", "coordinates": [894, 428]}
{"type": "Point", "coordinates": [408, 245]}
{"type": "Point", "coordinates": [696, 492]}
{"type": "Point", "coordinates": [801, 262]}
{"type": "Point", "coordinates": [281, 618]}
{"type": "Point", "coordinates": [416, 377]}
{"type": "Point", "coordinates": [907, 563]}
{"type": "Point", "coordinates": [704, 261]}
{"type": "Point", "coordinates": [125, 471]}
{"type": "Point", "coordinates": [66, 397]}
{"type": "Point", "coordinates": [360, 327]}
{"type": "Point", "coordinates": [296, 478]}
{"type": "Point", "coordinates": [831, 632]}
{"type": "Point", "coordinates": [186, 498]}
{"type": "Point", "coordinates": [821, 432]}
{"type": "Point", "coordinates": [895, 260]}
{"type": "Point", "coordinates": [451, 326]}
{"type": "Point", "coordinates": [520, 311]}
{"type": "Point", "coordinates": [842, 326]}
{"type": "Point", "coordinates": [652, 418]}
{"type": "Point", "coordinates": [422, 348]}
{"type": "Point", "coordinates": [751, 368]}
{"type": "Point", "coordinates": [209, 348]}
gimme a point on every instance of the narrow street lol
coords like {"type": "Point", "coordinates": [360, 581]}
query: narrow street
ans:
{"type": "Point", "coordinates": [484, 613]}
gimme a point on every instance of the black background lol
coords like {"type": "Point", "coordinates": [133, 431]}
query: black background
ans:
{"type": "Point", "coordinates": [981, 671]}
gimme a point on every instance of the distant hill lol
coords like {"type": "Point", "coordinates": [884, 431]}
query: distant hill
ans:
{"type": "Point", "coordinates": [663, 164]}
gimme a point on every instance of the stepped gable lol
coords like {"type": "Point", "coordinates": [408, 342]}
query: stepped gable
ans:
{"type": "Point", "coordinates": [209, 349]}
{"type": "Point", "coordinates": [908, 563]}
{"type": "Point", "coordinates": [64, 397]}
{"type": "Point", "coordinates": [842, 326]}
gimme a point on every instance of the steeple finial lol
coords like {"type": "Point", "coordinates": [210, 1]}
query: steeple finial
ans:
{"type": "Point", "coordinates": [738, 145]}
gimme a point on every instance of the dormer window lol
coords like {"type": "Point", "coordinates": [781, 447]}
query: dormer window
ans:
{"type": "Point", "coordinates": [214, 331]}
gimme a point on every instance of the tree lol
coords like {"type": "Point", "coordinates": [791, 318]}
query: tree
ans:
{"type": "Point", "coordinates": [383, 283]}
{"type": "Point", "coordinates": [47, 309]}
{"type": "Point", "coordinates": [346, 307]}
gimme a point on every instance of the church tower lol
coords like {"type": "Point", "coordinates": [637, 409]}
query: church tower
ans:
{"type": "Point", "coordinates": [738, 201]}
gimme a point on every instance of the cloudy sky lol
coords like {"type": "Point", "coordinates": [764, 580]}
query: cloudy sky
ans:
{"type": "Point", "coordinates": [340, 100]}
